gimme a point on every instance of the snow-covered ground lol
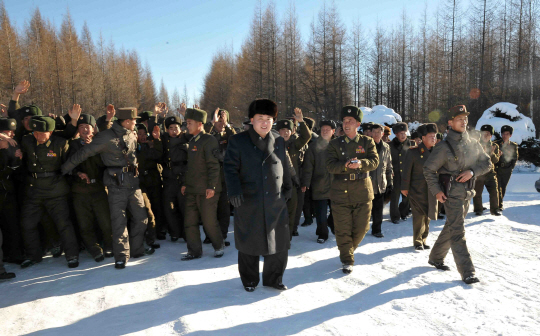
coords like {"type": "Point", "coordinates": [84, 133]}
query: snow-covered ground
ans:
{"type": "Point", "coordinates": [392, 291]}
{"type": "Point", "coordinates": [523, 126]}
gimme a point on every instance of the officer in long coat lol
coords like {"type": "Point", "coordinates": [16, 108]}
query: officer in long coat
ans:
{"type": "Point", "coordinates": [398, 148]}
{"type": "Point", "coordinates": [490, 179]}
{"type": "Point", "coordinates": [414, 186]}
{"type": "Point", "coordinates": [507, 161]}
{"type": "Point", "coordinates": [259, 185]}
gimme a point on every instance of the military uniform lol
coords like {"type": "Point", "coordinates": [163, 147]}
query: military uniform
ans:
{"type": "Point", "coordinates": [489, 179]}
{"type": "Point", "coordinates": [9, 211]}
{"type": "Point", "coordinates": [306, 204]}
{"type": "Point", "coordinates": [469, 155]}
{"type": "Point", "coordinates": [398, 150]}
{"type": "Point", "coordinates": [351, 192]}
{"type": "Point", "coordinates": [382, 180]}
{"type": "Point", "coordinates": [46, 191]}
{"type": "Point", "coordinates": [203, 173]}
{"type": "Point", "coordinates": [295, 148]}
{"type": "Point", "coordinates": [506, 164]}
{"type": "Point", "coordinates": [149, 156]}
{"type": "Point", "coordinates": [174, 169]}
{"type": "Point", "coordinates": [316, 178]}
{"type": "Point", "coordinates": [90, 199]}
{"type": "Point", "coordinates": [117, 147]}
{"type": "Point", "coordinates": [423, 203]}
{"type": "Point", "coordinates": [224, 208]}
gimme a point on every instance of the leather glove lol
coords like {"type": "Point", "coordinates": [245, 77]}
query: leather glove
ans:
{"type": "Point", "coordinates": [236, 201]}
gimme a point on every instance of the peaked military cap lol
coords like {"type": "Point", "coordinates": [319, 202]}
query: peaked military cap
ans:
{"type": "Point", "coordinates": [127, 113]}
{"type": "Point", "coordinates": [330, 123]}
{"type": "Point", "coordinates": [400, 127]}
{"type": "Point", "coordinates": [145, 115]}
{"type": "Point", "coordinates": [263, 106]}
{"type": "Point", "coordinates": [352, 111]}
{"type": "Point", "coordinates": [507, 128]}
{"type": "Point", "coordinates": [30, 110]}
{"type": "Point", "coordinates": [487, 128]}
{"type": "Point", "coordinates": [87, 119]}
{"type": "Point", "coordinates": [196, 114]}
{"type": "Point", "coordinates": [310, 122]}
{"type": "Point", "coordinates": [42, 124]}
{"type": "Point", "coordinates": [8, 124]}
{"type": "Point", "coordinates": [285, 123]}
{"type": "Point", "coordinates": [457, 110]}
{"type": "Point", "coordinates": [172, 120]}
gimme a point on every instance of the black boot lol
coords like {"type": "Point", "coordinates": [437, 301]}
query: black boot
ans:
{"type": "Point", "coordinates": [6, 276]}
{"type": "Point", "coordinates": [440, 266]}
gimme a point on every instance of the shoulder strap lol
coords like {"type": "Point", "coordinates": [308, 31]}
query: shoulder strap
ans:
{"type": "Point", "coordinates": [451, 150]}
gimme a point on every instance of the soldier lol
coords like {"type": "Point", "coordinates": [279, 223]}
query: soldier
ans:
{"type": "Point", "coordinates": [259, 185]}
{"type": "Point", "coordinates": [174, 170]}
{"type": "Point", "coordinates": [507, 161]}
{"type": "Point", "coordinates": [317, 178]}
{"type": "Point", "coordinates": [398, 148]}
{"type": "Point", "coordinates": [89, 195]}
{"type": "Point", "coordinates": [10, 161]}
{"type": "Point", "coordinates": [295, 140]}
{"type": "Point", "coordinates": [106, 121]}
{"type": "Point", "coordinates": [387, 132]}
{"type": "Point", "coordinates": [117, 147]}
{"type": "Point", "coordinates": [381, 178]}
{"type": "Point", "coordinates": [202, 187]}
{"type": "Point", "coordinates": [149, 154]}
{"type": "Point", "coordinates": [452, 166]}
{"type": "Point", "coordinates": [414, 186]}
{"type": "Point", "coordinates": [489, 179]}
{"type": "Point", "coordinates": [220, 128]}
{"type": "Point", "coordinates": [305, 204]}
{"type": "Point", "coordinates": [350, 159]}
{"type": "Point", "coordinates": [46, 191]}
{"type": "Point", "coordinates": [416, 137]}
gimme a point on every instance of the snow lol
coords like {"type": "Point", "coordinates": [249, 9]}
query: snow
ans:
{"type": "Point", "coordinates": [392, 291]}
{"type": "Point", "coordinates": [523, 127]}
{"type": "Point", "coordinates": [382, 115]}
{"type": "Point", "coordinates": [413, 126]}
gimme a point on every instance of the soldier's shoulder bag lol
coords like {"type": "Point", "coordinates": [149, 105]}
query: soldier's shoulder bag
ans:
{"type": "Point", "coordinates": [445, 182]}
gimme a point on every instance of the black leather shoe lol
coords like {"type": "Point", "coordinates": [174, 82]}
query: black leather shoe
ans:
{"type": "Point", "coordinates": [73, 263]}
{"type": "Point", "coordinates": [147, 251]}
{"type": "Point", "coordinates": [295, 233]}
{"type": "Point", "coordinates": [280, 286]}
{"type": "Point", "coordinates": [226, 243]}
{"type": "Point", "coordinates": [304, 224]}
{"type": "Point", "coordinates": [395, 221]}
{"type": "Point", "coordinates": [479, 213]}
{"type": "Point", "coordinates": [426, 247]}
{"type": "Point", "coordinates": [378, 234]}
{"type": "Point", "coordinates": [99, 258]}
{"type": "Point", "coordinates": [173, 239]}
{"type": "Point", "coordinates": [419, 247]}
{"type": "Point", "coordinates": [189, 257]}
{"type": "Point", "coordinates": [6, 276]}
{"type": "Point", "coordinates": [154, 245]}
{"type": "Point", "coordinates": [496, 213]}
{"type": "Point", "coordinates": [207, 241]}
{"type": "Point", "coordinates": [440, 266]}
{"type": "Point", "coordinates": [56, 252]}
{"type": "Point", "coordinates": [470, 280]}
{"type": "Point", "coordinates": [28, 263]}
{"type": "Point", "coordinates": [120, 264]}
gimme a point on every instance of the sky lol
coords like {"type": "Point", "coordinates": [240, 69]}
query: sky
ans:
{"type": "Point", "coordinates": [178, 38]}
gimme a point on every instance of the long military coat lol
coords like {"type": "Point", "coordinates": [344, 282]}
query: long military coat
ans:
{"type": "Point", "coordinates": [261, 223]}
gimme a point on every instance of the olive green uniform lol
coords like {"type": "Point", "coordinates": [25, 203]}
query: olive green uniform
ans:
{"type": "Point", "coordinates": [398, 150]}
{"type": "Point", "coordinates": [423, 203]}
{"type": "Point", "coordinates": [203, 173]}
{"type": "Point", "coordinates": [489, 180]}
{"type": "Point", "coordinates": [224, 209]}
{"type": "Point", "coordinates": [351, 192]}
{"type": "Point", "coordinates": [116, 147]}
{"type": "Point", "coordinates": [174, 170]}
{"type": "Point", "coordinates": [149, 156]}
{"type": "Point", "coordinates": [90, 201]}
{"type": "Point", "coordinates": [296, 149]}
{"type": "Point", "coordinates": [46, 191]}
{"type": "Point", "coordinates": [505, 166]}
{"type": "Point", "coordinates": [469, 155]}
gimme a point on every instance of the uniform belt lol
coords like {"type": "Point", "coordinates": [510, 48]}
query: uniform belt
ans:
{"type": "Point", "coordinates": [174, 164]}
{"type": "Point", "coordinates": [45, 174]}
{"type": "Point", "coordinates": [129, 169]}
{"type": "Point", "coordinates": [353, 176]}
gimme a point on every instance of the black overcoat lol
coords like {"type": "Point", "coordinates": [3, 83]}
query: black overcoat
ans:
{"type": "Point", "coordinates": [261, 223]}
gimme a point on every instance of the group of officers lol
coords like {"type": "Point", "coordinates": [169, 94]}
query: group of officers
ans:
{"type": "Point", "coordinates": [113, 184]}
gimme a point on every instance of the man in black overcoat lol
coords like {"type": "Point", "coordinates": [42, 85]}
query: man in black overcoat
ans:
{"type": "Point", "coordinates": [259, 185]}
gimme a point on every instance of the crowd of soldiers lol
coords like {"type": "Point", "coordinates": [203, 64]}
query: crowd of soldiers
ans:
{"type": "Point", "coordinates": [117, 185]}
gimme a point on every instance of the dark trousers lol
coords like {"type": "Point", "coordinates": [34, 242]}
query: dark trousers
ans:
{"type": "Point", "coordinates": [224, 211]}
{"type": "Point", "coordinates": [398, 210]}
{"type": "Point", "coordinates": [299, 207]}
{"type": "Point", "coordinates": [503, 177]}
{"type": "Point", "coordinates": [309, 206]}
{"type": "Point", "coordinates": [58, 209]}
{"type": "Point", "coordinates": [151, 227]}
{"type": "Point", "coordinates": [321, 214]}
{"type": "Point", "coordinates": [273, 270]}
{"type": "Point", "coordinates": [291, 209]}
{"type": "Point", "coordinates": [9, 224]}
{"type": "Point", "coordinates": [92, 208]}
{"type": "Point", "coordinates": [174, 207]}
{"type": "Point", "coordinates": [377, 213]}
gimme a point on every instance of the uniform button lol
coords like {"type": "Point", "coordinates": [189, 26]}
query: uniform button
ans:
{"type": "Point", "coordinates": [400, 154]}
{"type": "Point", "coordinates": [345, 191]}
{"type": "Point", "coordinates": [266, 177]}
{"type": "Point", "coordinates": [400, 162]}
{"type": "Point", "coordinates": [401, 170]}
{"type": "Point", "coordinates": [267, 192]}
